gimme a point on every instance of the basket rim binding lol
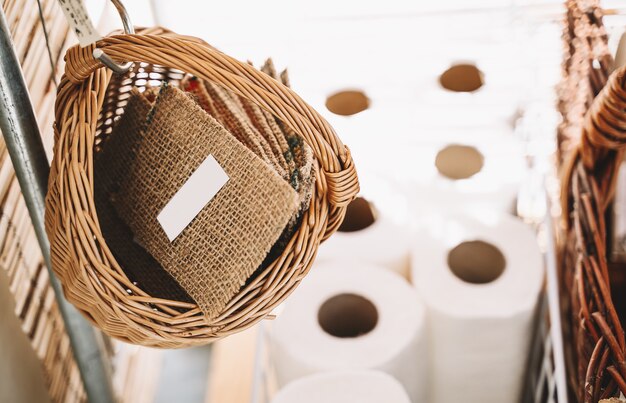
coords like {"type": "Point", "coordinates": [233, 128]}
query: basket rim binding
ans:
{"type": "Point", "coordinates": [91, 277]}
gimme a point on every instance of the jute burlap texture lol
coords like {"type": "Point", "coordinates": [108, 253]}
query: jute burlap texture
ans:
{"type": "Point", "coordinates": [229, 239]}
{"type": "Point", "coordinates": [265, 135]}
{"type": "Point", "coordinates": [298, 155]}
{"type": "Point", "coordinates": [112, 162]}
{"type": "Point", "coordinates": [293, 160]}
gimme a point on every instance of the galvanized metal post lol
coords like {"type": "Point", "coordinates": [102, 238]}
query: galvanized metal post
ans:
{"type": "Point", "coordinates": [21, 134]}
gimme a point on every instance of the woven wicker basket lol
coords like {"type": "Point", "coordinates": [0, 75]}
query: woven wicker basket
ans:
{"type": "Point", "coordinates": [585, 65]}
{"type": "Point", "coordinates": [88, 101]}
{"type": "Point", "coordinates": [597, 348]}
{"type": "Point", "coordinates": [597, 365]}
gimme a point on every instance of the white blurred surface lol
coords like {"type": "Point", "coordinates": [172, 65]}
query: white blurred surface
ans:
{"type": "Point", "coordinates": [394, 51]}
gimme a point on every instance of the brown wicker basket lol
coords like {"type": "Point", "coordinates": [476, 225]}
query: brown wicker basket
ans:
{"type": "Point", "coordinates": [597, 366]}
{"type": "Point", "coordinates": [89, 100]}
{"type": "Point", "coordinates": [585, 65]}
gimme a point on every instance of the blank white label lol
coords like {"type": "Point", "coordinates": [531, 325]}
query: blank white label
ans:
{"type": "Point", "coordinates": [190, 199]}
{"type": "Point", "coordinates": [78, 19]}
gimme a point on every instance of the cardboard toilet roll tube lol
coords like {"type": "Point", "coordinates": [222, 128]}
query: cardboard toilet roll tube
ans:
{"type": "Point", "coordinates": [347, 102]}
{"type": "Point", "coordinates": [462, 77]}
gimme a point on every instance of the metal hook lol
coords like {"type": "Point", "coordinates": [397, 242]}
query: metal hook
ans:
{"type": "Point", "coordinates": [105, 59]}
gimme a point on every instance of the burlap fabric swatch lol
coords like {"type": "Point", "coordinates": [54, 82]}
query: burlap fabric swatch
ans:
{"type": "Point", "coordinates": [112, 161]}
{"type": "Point", "coordinates": [265, 135]}
{"type": "Point", "coordinates": [226, 108]}
{"type": "Point", "coordinates": [229, 239]}
{"type": "Point", "coordinates": [298, 155]}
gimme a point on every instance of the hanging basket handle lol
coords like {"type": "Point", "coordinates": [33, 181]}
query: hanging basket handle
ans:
{"type": "Point", "coordinates": [605, 123]}
{"type": "Point", "coordinates": [129, 28]}
{"type": "Point", "coordinates": [603, 141]}
{"type": "Point", "coordinates": [203, 61]}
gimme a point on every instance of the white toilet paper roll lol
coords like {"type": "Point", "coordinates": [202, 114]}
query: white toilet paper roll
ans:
{"type": "Point", "coordinates": [470, 92]}
{"type": "Point", "coordinates": [480, 280]}
{"type": "Point", "coordinates": [470, 82]}
{"type": "Point", "coordinates": [459, 176]}
{"type": "Point", "coordinates": [343, 386]}
{"type": "Point", "coordinates": [369, 235]}
{"type": "Point", "coordinates": [345, 317]}
{"type": "Point", "coordinates": [446, 168]}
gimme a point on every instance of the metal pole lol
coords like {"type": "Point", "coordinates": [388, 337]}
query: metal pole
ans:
{"type": "Point", "coordinates": [556, 329]}
{"type": "Point", "coordinates": [21, 135]}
